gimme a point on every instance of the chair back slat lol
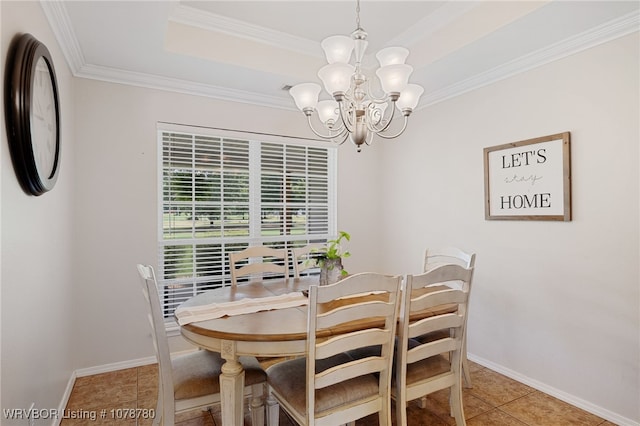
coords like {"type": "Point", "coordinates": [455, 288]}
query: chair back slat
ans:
{"type": "Point", "coordinates": [438, 298]}
{"type": "Point", "coordinates": [259, 268]}
{"type": "Point", "coordinates": [436, 323]}
{"type": "Point", "coordinates": [446, 273]}
{"type": "Point", "coordinates": [360, 286]}
{"type": "Point", "coordinates": [345, 314]}
{"type": "Point", "coordinates": [350, 341]}
{"type": "Point", "coordinates": [438, 256]}
{"type": "Point", "coordinates": [348, 371]}
{"type": "Point", "coordinates": [430, 349]}
{"type": "Point", "coordinates": [258, 260]}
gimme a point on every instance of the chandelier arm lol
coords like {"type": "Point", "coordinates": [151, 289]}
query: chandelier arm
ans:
{"type": "Point", "coordinates": [344, 117]}
{"type": "Point", "coordinates": [338, 128]}
{"type": "Point", "coordinates": [344, 138]}
{"type": "Point", "coordinates": [331, 135]}
{"type": "Point", "coordinates": [404, 126]}
{"type": "Point", "coordinates": [369, 139]}
{"type": "Point", "coordinates": [372, 127]}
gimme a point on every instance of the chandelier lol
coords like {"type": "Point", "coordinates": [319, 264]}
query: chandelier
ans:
{"type": "Point", "coordinates": [355, 112]}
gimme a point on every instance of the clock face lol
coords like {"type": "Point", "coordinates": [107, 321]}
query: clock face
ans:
{"type": "Point", "coordinates": [43, 120]}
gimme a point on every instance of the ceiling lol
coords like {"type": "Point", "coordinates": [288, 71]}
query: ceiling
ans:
{"type": "Point", "coordinates": [247, 51]}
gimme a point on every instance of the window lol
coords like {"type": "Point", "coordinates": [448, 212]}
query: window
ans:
{"type": "Point", "coordinates": [224, 191]}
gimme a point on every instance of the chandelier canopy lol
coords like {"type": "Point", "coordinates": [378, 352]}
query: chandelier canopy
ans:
{"type": "Point", "coordinates": [355, 112]}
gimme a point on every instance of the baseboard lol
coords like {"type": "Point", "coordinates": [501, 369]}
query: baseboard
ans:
{"type": "Point", "coordinates": [561, 395]}
{"type": "Point", "coordinates": [108, 368]}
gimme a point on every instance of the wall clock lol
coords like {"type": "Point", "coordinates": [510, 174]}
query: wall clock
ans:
{"type": "Point", "coordinates": [32, 114]}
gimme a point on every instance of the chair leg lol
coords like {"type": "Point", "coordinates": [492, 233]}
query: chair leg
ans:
{"type": "Point", "coordinates": [158, 418]}
{"type": "Point", "coordinates": [257, 404]}
{"type": "Point", "coordinates": [465, 365]}
{"type": "Point", "coordinates": [384, 415]}
{"type": "Point", "coordinates": [423, 402]}
{"type": "Point", "coordinates": [164, 415]}
{"type": "Point", "coordinates": [466, 372]}
{"type": "Point", "coordinates": [401, 411]}
{"type": "Point", "coordinates": [456, 404]}
{"type": "Point", "coordinates": [273, 411]}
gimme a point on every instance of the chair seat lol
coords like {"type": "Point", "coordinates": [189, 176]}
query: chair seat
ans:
{"type": "Point", "coordinates": [198, 373]}
{"type": "Point", "coordinates": [289, 378]}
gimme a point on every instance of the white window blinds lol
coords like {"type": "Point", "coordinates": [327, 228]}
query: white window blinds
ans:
{"type": "Point", "coordinates": [222, 193]}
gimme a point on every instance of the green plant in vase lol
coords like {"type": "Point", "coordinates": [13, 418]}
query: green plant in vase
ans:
{"type": "Point", "coordinates": [329, 259]}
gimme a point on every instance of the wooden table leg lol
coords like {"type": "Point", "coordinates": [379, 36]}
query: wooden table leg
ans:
{"type": "Point", "coordinates": [231, 386]}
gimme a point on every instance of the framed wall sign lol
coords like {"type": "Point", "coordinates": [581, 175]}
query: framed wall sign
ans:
{"type": "Point", "coordinates": [529, 180]}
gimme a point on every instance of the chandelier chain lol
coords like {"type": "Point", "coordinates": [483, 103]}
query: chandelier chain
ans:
{"type": "Point", "coordinates": [358, 14]}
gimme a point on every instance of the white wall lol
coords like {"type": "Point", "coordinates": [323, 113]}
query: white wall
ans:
{"type": "Point", "coordinates": [556, 303]}
{"type": "Point", "coordinates": [116, 203]}
{"type": "Point", "coordinates": [37, 237]}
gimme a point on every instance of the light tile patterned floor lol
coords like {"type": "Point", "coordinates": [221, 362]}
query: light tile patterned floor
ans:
{"type": "Point", "coordinates": [494, 400]}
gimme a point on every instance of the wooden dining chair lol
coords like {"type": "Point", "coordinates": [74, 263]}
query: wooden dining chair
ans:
{"type": "Point", "coordinates": [258, 260]}
{"type": "Point", "coordinates": [191, 381]}
{"type": "Point", "coordinates": [434, 257]}
{"type": "Point", "coordinates": [422, 368]}
{"type": "Point", "coordinates": [303, 258]}
{"type": "Point", "coordinates": [328, 387]}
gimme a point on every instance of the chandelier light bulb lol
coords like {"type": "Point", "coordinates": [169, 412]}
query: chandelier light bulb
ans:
{"type": "Point", "coordinates": [338, 48]}
{"type": "Point", "coordinates": [305, 95]}
{"type": "Point", "coordinates": [392, 56]}
{"type": "Point", "coordinates": [409, 97]}
{"type": "Point", "coordinates": [328, 111]}
{"type": "Point", "coordinates": [394, 78]}
{"type": "Point", "coordinates": [336, 77]}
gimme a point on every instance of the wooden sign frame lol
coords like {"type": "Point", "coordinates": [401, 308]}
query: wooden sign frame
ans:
{"type": "Point", "coordinates": [529, 179]}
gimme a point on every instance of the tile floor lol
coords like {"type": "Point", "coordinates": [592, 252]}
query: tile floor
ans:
{"type": "Point", "coordinates": [494, 400]}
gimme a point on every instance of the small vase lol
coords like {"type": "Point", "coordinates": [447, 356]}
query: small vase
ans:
{"type": "Point", "coordinates": [330, 271]}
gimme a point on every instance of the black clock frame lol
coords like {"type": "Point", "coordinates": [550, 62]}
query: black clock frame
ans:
{"type": "Point", "coordinates": [24, 53]}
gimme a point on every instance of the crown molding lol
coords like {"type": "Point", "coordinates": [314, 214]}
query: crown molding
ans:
{"type": "Point", "coordinates": [606, 32]}
{"type": "Point", "coordinates": [114, 75]}
{"type": "Point", "coordinates": [234, 27]}
{"type": "Point", "coordinates": [60, 23]}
